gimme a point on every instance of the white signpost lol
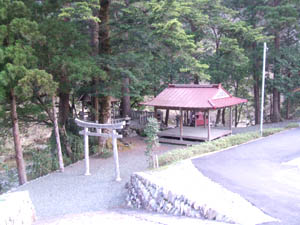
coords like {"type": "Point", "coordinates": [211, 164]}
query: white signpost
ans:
{"type": "Point", "coordinates": [113, 134]}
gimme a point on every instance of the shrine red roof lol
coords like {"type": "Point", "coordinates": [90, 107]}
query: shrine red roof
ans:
{"type": "Point", "coordinates": [193, 96]}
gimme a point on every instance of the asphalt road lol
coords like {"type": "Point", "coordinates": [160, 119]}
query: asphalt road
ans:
{"type": "Point", "coordinates": [259, 173]}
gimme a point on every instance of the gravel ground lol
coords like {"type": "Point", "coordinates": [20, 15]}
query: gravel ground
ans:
{"type": "Point", "coordinates": [71, 193]}
{"type": "Point", "coordinates": [58, 193]}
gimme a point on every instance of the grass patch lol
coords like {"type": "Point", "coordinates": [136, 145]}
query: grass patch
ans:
{"type": "Point", "coordinates": [292, 125]}
{"type": "Point", "coordinates": [271, 131]}
{"type": "Point", "coordinates": [216, 145]}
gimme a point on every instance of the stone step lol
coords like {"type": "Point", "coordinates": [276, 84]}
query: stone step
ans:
{"type": "Point", "coordinates": [178, 142]}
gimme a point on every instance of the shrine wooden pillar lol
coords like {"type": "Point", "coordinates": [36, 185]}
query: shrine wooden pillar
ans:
{"type": "Point", "coordinates": [208, 127]}
{"type": "Point", "coordinates": [155, 112]}
{"type": "Point", "coordinates": [181, 124]}
{"type": "Point", "coordinates": [204, 118]}
{"type": "Point", "coordinates": [230, 119]}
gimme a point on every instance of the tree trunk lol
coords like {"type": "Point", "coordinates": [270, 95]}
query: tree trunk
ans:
{"type": "Point", "coordinates": [276, 96]}
{"type": "Point", "coordinates": [236, 120]}
{"type": "Point", "coordinates": [64, 107]}
{"type": "Point", "coordinates": [276, 113]}
{"type": "Point", "coordinates": [126, 106]}
{"type": "Point", "coordinates": [256, 101]}
{"type": "Point", "coordinates": [105, 117]}
{"type": "Point", "coordinates": [104, 31]}
{"type": "Point", "coordinates": [105, 114]}
{"type": "Point", "coordinates": [288, 108]}
{"type": "Point", "coordinates": [66, 142]}
{"type": "Point", "coordinates": [17, 141]}
{"type": "Point", "coordinates": [255, 68]}
{"type": "Point", "coordinates": [94, 43]}
{"type": "Point", "coordinates": [94, 34]}
{"type": "Point", "coordinates": [58, 144]}
{"type": "Point", "coordinates": [104, 48]}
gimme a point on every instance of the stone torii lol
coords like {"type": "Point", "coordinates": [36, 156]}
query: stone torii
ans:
{"type": "Point", "coordinates": [114, 135]}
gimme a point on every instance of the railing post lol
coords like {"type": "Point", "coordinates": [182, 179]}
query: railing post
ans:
{"type": "Point", "coordinates": [86, 152]}
{"type": "Point", "coordinates": [116, 156]}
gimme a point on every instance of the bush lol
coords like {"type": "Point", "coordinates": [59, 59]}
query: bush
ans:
{"type": "Point", "coordinates": [77, 146]}
{"type": "Point", "coordinates": [43, 162]}
{"type": "Point", "coordinates": [8, 178]}
{"type": "Point", "coordinates": [271, 131]}
{"type": "Point", "coordinates": [292, 125]}
{"type": "Point", "coordinates": [151, 130]}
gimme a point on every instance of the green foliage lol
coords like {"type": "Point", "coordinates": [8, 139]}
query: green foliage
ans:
{"type": "Point", "coordinates": [81, 10]}
{"type": "Point", "coordinates": [292, 125]}
{"type": "Point", "coordinates": [271, 131]}
{"type": "Point", "coordinates": [76, 143]}
{"type": "Point", "coordinates": [43, 162]}
{"type": "Point", "coordinates": [151, 130]}
{"type": "Point", "coordinates": [8, 177]}
{"type": "Point", "coordinates": [36, 83]}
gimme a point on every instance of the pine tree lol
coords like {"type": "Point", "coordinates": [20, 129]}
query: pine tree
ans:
{"type": "Point", "coordinates": [17, 63]}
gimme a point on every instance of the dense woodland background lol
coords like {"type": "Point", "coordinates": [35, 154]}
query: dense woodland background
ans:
{"type": "Point", "coordinates": [129, 49]}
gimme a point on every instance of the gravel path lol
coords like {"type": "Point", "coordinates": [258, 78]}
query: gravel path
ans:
{"type": "Point", "coordinates": [71, 192]}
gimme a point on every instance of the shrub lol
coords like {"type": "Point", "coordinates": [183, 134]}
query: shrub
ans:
{"type": "Point", "coordinates": [8, 178]}
{"type": "Point", "coordinates": [151, 131]}
{"type": "Point", "coordinates": [271, 131]}
{"type": "Point", "coordinates": [43, 162]}
{"type": "Point", "coordinates": [292, 125]}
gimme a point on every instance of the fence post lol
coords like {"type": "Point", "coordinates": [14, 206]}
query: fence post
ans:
{"type": "Point", "coordinates": [116, 156]}
{"type": "Point", "coordinates": [86, 152]}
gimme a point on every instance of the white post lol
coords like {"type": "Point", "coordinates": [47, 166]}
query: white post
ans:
{"type": "Point", "coordinates": [116, 156]}
{"type": "Point", "coordinates": [263, 90]}
{"type": "Point", "coordinates": [86, 152]}
{"type": "Point", "coordinates": [230, 119]}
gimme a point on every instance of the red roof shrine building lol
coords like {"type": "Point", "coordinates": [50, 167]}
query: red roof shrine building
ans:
{"type": "Point", "coordinates": [195, 103]}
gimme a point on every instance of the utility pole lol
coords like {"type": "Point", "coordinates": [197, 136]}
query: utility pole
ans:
{"type": "Point", "coordinates": [263, 90]}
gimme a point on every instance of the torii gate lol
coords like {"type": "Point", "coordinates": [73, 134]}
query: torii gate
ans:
{"type": "Point", "coordinates": [114, 135]}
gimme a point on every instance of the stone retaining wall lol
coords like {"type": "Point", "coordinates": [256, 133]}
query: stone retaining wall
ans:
{"type": "Point", "coordinates": [16, 209]}
{"type": "Point", "coordinates": [144, 192]}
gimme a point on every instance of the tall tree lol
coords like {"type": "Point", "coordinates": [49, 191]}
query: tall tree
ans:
{"type": "Point", "coordinates": [105, 49]}
{"type": "Point", "coordinates": [279, 15]}
{"type": "Point", "coordinates": [17, 34]}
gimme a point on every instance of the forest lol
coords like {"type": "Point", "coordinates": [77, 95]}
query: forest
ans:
{"type": "Point", "coordinates": [52, 52]}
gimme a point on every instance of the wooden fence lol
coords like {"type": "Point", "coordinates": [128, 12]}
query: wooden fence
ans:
{"type": "Point", "coordinates": [141, 116]}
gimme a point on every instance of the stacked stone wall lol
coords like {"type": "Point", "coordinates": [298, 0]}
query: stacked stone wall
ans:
{"type": "Point", "coordinates": [146, 193]}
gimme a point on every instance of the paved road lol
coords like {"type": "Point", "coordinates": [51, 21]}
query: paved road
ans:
{"type": "Point", "coordinates": [257, 171]}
